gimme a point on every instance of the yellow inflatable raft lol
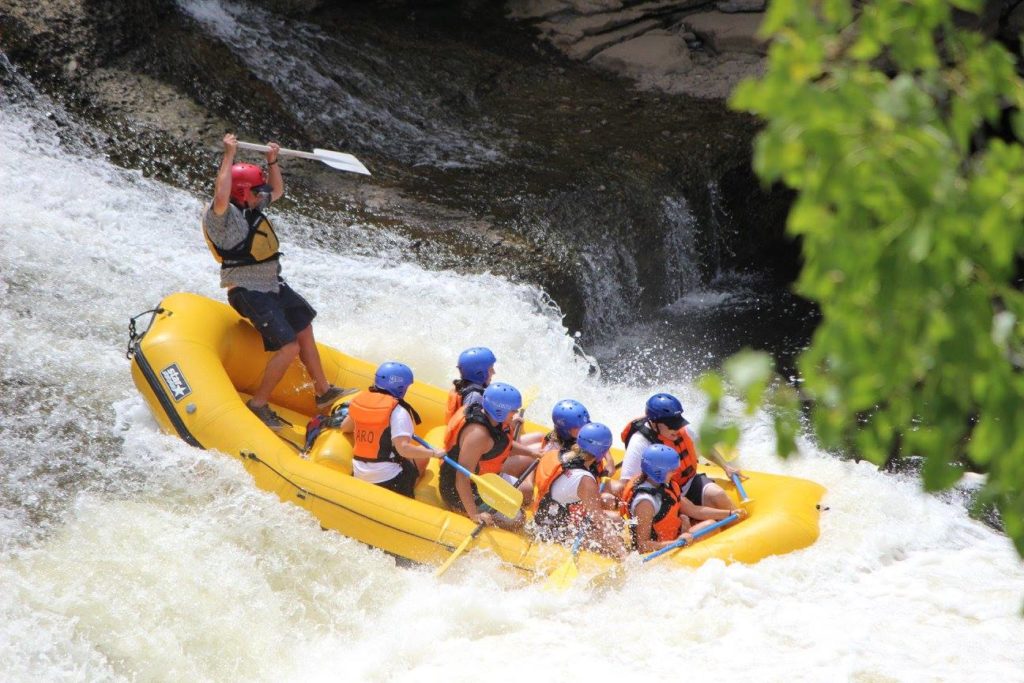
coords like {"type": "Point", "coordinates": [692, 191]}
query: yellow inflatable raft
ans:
{"type": "Point", "coordinates": [198, 362]}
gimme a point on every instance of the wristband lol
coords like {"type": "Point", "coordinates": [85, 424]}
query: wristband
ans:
{"type": "Point", "coordinates": [271, 163]}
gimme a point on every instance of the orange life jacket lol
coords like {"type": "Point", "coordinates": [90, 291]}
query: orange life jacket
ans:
{"type": "Point", "coordinates": [490, 462]}
{"type": "Point", "coordinates": [548, 513]}
{"type": "Point", "coordinates": [370, 411]}
{"type": "Point", "coordinates": [457, 397]}
{"type": "Point", "coordinates": [681, 444]}
{"type": "Point", "coordinates": [553, 465]}
{"type": "Point", "coordinates": [666, 525]}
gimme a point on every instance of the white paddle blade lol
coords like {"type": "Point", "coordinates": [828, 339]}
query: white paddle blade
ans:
{"type": "Point", "coordinates": [341, 161]}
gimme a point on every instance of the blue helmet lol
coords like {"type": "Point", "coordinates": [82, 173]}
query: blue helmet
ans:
{"type": "Point", "coordinates": [595, 439]}
{"type": "Point", "coordinates": [658, 462]}
{"type": "Point", "coordinates": [666, 408]}
{"type": "Point", "coordinates": [474, 364]}
{"type": "Point", "coordinates": [501, 400]}
{"type": "Point", "coordinates": [569, 414]}
{"type": "Point", "coordinates": [393, 378]}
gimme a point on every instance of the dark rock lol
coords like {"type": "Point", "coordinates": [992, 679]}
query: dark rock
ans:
{"type": "Point", "coordinates": [586, 208]}
{"type": "Point", "coordinates": [733, 6]}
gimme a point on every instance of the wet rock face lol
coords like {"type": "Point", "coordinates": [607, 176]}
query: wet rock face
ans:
{"type": "Point", "coordinates": [66, 38]}
{"type": "Point", "coordinates": [690, 47]}
{"type": "Point", "coordinates": [490, 151]}
{"type": "Point", "coordinates": [293, 8]}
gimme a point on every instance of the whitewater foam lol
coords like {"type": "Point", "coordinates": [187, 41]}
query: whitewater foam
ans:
{"type": "Point", "coordinates": [128, 555]}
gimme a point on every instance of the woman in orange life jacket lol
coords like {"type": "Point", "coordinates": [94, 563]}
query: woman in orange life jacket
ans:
{"type": "Point", "coordinates": [664, 423]}
{"type": "Point", "coordinates": [381, 423]}
{"type": "Point", "coordinates": [658, 515]}
{"type": "Point", "coordinates": [567, 416]}
{"type": "Point", "coordinates": [480, 439]}
{"type": "Point", "coordinates": [569, 496]}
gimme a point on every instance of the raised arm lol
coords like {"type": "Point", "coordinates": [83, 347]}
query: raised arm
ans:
{"type": "Point", "coordinates": [274, 176]}
{"type": "Point", "coordinates": [222, 189]}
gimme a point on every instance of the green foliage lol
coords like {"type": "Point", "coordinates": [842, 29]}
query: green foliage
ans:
{"type": "Point", "coordinates": [911, 221]}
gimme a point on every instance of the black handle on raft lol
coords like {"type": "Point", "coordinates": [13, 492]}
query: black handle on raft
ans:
{"type": "Point", "coordinates": [133, 335]}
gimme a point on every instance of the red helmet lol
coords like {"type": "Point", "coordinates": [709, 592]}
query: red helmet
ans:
{"type": "Point", "coordinates": [245, 177]}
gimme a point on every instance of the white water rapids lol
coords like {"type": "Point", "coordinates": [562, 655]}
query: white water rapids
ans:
{"type": "Point", "coordinates": [127, 555]}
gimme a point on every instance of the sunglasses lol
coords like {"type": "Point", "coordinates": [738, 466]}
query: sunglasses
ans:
{"type": "Point", "coordinates": [674, 421]}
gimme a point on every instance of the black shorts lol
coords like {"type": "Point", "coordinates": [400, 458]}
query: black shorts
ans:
{"type": "Point", "coordinates": [695, 494]}
{"type": "Point", "coordinates": [454, 502]}
{"type": "Point", "coordinates": [405, 481]}
{"type": "Point", "coordinates": [450, 495]}
{"type": "Point", "coordinates": [277, 317]}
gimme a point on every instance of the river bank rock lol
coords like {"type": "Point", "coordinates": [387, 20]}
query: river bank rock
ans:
{"type": "Point", "coordinates": [585, 174]}
{"type": "Point", "coordinates": [689, 47]}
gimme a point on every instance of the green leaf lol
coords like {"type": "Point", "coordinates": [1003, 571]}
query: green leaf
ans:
{"type": "Point", "coordinates": [939, 474]}
{"type": "Point", "coordinates": [749, 372]}
{"type": "Point", "coordinates": [910, 215]}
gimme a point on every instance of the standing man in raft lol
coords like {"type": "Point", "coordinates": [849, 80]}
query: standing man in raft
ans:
{"type": "Point", "coordinates": [243, 241]}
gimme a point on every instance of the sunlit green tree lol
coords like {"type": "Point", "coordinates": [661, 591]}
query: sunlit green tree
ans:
{"type": "Point", "coordinates": [900, 133]}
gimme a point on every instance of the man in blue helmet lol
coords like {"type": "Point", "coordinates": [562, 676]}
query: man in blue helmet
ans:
{"type": "Point", "coordinates": [663, 423]}
{"type": "Point", "coordinates": [381, 423]}
{"type": "Point", "coordinates": [480, 438]}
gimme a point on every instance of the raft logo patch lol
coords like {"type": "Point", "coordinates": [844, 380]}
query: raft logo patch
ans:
{"type": "Point", "coordinates": [175, 381]}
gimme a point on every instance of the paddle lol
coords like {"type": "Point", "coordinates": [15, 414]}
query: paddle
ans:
{"type": "Point", "coordinates": [744, 498]}
{"type": "Point", "coordinates": [494, 490]}
{"type": "Point", "coordinates": [338, 160]}
{"type": "Point", "coordinates": [479, 527]}
{"type": "Point", "coordinates": [529, 396]}
{"type": "Point", "coordinates": [461, 549]}
{"type": "Point", "coordinates": [565, 574]}
{"type": "Point", "coordinates": [697, 534]}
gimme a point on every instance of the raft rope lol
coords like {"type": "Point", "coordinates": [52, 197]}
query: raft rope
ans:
{"type": "Point", "coordinates": [133, 335]}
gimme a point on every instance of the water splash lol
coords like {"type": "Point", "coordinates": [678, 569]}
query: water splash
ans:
{"type": "Point", "coordinates": [332, 84]}
{"type": "Point", "coordinates": [127, 555]}
{"type": "Point", "coordinates": [682, 259]}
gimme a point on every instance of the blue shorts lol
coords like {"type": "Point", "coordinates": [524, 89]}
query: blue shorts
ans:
{"type": "Point", "coordinates": [277, 317]}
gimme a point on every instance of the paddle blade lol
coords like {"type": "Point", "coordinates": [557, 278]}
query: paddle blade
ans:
{"type": "Point", "coordinates": [564, 576]}
{"type": "Point", "coordinates": [340, 161]}
{"type": "Point", "coordinates": [458, 551]}
{"type": "Point", "coordinates": [499, 494]}
{"type": "Point", "coordinates": [530, 395]}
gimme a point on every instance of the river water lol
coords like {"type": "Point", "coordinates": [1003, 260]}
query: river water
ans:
{"type": "Point", "coordinates": [127, 555]}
